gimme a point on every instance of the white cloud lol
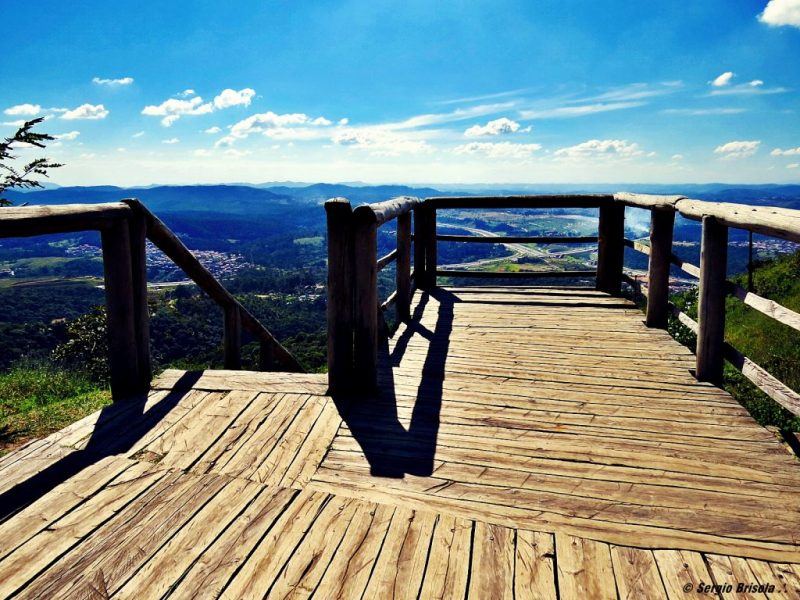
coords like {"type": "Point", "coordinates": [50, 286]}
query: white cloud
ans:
{"type": "Point", "coordinates": [170, 141]}
{"type": "Point", "coordinates": [19, 123]}
{"type": "Point", "coordinates": [695, 112]}
{"type": "Point", "coordinates": [229, 97]}
{"type": "Point", "coordinates": [738, 149]}
{"type": "Point", "coordinates": [381, 141]}
{"type": "Point", "coordinates": [748, 89]}
{"type": "Point", "coordinates": [173, 109]}
{"type": "Point", "coordinates": [69, 136]}
{"type": "Point", "coordinates": [501, 126]}
{"type": "Point", "coordinates": [564, 112]}
{"type": "Point", "coordinates": [138, 134]}
{"type": "Point", "coordinates": [186, 93]}
{"type": "Point", "coordinates": [677, 157]}
{"type": "Point", "coordinates": [87, 155]}
{"type": "Point", "coordinates": [787, 152]}
{"type": "Point", "coordinates": [122, 149]}
{"type": "Point", "coordinates": [237, 153]}
{"type": "Point", "coordinates": [212, 130]}
{"type": "Point", "coordinates": [723, 80]}
{"type": "Point", "coordinates": [23, 110]}
{"type": "Point", "coordinates": [86, 111]}
{"type": "Point", "coordinates": [203, 152]}
{"type": "Point", "coordinates": [601, 148]}
{"type": "Point", "coordinates": [781, 12]}
{"type": "Point", "coordinates": [793, 166]}
{"type": "Point", "coordinates": [113, 82]}
{"type": "Point", "coordinates": [498, 149]}
{"type": "Point", "coordinates": [276, 126]}
{"type": "Point", "coordinates": [756, 83]}
{"type": "Point", "coordinates": [460, 114]}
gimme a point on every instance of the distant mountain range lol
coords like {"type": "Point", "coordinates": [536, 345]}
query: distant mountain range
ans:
{"type": "Point", "coordinates": [270, 199]}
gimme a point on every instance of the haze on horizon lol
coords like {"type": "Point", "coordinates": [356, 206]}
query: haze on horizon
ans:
{"type": "Point", "coordinates": [471, 92]}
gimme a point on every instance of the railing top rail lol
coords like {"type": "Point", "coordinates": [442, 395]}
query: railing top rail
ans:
{"type": "Point", "coordinates": [774, 221]}
{"type": "Point", "coordinates": [382, 212]}
{"type": "Point", "coordinates": [523, 201]}
{"type": "Point", "coordinates": [26, 221]}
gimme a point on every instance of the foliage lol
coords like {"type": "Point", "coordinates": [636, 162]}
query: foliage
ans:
{"type": "Point", "coordinates": [86, 347]}
{"type": "Point", "coordinates": [23, 178]}
{"type": "Point", "coordinates": [37, 399]}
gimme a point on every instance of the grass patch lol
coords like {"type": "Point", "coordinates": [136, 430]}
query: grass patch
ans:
{"type": "Point", "coordinates": [36, 400]}
{"type": "Point", "coordinates": [310, 241]}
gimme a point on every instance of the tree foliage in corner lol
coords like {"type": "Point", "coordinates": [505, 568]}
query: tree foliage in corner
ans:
{"type": "Point", "coordinates": [24, 177]}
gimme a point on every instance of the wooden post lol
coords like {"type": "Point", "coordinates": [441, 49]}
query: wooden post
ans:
{"type": "Point", "coordinates": [232, 337]}
{"type": "Point", "coordinates": [661, 226]}
{"type": "Point", "coordinates": [611, 248]}
{"type": "Point", "coordinates": [429, 245]}
{"type": "Point", "coordinates": [340, 293]}
{"type": "Point", "coordinates": [141, 312]}
{"type": "Point", "coordinates": [711, 301]}
{"type": "Point", "coordinates": [365, 298]}
{"type": "Point", "coordinates": [120, 309]}
{"type": "Point", "coordinates": [419, 245]}
{"type": "Point", "coordinates": [403, 271]}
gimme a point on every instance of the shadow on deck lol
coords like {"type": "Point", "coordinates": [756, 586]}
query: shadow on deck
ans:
{"type": "Point", "coordinates": [528, 441]}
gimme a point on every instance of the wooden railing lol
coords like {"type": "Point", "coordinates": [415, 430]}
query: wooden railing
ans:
{"type": "Point", "coordinates": [716, 219]}
{"type": "Point", "coordinates": [124, 227]}
{"type": "Point", "coordinates": [353, 308]}
{"type": "Point", "coordinates": [354, 311]}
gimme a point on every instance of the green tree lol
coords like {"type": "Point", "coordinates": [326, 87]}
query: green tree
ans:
{"type": "Point", "coordinates": [23, 177]}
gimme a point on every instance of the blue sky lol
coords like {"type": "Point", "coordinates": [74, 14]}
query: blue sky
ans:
{"type": "Point", "coordinates": [415, 91]}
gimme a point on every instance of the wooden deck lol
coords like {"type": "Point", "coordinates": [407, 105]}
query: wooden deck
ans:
{"type": "Point", "coordinates": [526, 443]}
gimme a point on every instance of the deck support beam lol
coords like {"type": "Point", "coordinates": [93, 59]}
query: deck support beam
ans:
{"type": "Point", "coordinates": [711, 301]}
{"type": "Point", "coordinates": [611, 248]}
{"type": "Point", "coordinates": [661, 228]}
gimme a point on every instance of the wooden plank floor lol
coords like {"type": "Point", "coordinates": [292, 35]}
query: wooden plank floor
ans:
{"type": "Point", "coordinates": [526, 443]}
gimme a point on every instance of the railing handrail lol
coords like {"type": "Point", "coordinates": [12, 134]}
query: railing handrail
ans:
{"type": "Point", "coordinates": [124, 226]}
{"type": "Point", "coordinates": [773, 221]}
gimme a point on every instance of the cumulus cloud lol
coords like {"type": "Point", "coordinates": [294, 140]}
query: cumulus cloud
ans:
{"type": "Point", "coordinates": [787, 152]}
{"type": "Point", "coordinates": [214, 129]}
{"type": "Point", "coordinates": [71, 135]}
{"type": "Point", "coordinates": [28, 110]}
{"type": "Point", "coordinates": [171, 110]}
{"type": "Point", "coordinates": [18, 123]}
{"type": "Point", "coordinates": [186, 93]}
{"type": "Point", "coordinates": [738, 149]}
{"type": "Point", "coordinates": [380, 141]}
{"type": "Point", "coordinates": [501, 126]}
{"type": "Point", "coordinates": [229, 97]}
{"type": "Point", "coordinates": [90, 112]}
{"type": "Point", "coordinates": [756, 83]}
{"type": "Point", "coordinates": [723, 80]}
{"type": "Point", "coordinates": [170, 141]}
{"type": "Point", "coordinates": [277, 126]}
{"type": "Point", "coordinates": [600, 149]}
{"type": "Point", "coordinates": [113, 82]}
{"type": "Point", "coordinates": [781, 12]}
{"type": "Point", "coordinates": [498, 149]}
